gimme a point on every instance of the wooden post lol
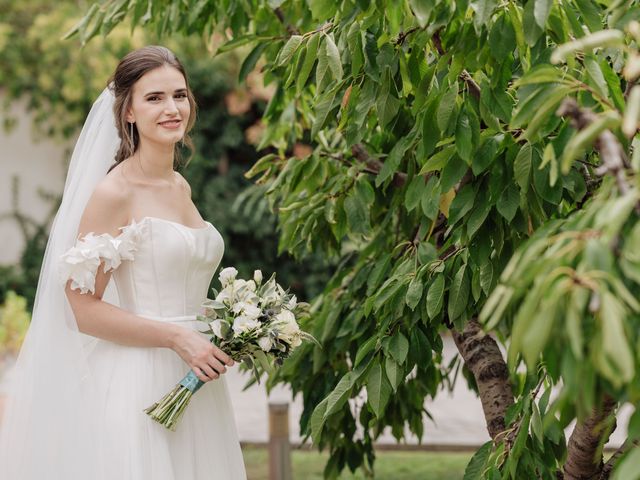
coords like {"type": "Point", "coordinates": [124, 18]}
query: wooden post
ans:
{"type": "Point", "coordinates": [279, 447]}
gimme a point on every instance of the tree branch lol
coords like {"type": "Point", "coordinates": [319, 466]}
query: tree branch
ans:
{"type": "Point", "coordinates": [374, 165]}
{"type": "Point", "coordinates": [583, 444]}
{"type": "Point", "coordinates": [611, 152]}
{"type": "Point", "coordinates": [484, 359]}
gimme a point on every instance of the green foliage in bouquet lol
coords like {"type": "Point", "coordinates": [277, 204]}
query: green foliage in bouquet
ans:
{"type": "Point", "coordinates": [462, 155]}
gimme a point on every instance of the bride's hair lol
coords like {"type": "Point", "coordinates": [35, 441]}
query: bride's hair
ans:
{"type": "Point", "coordinates": [133, 66]}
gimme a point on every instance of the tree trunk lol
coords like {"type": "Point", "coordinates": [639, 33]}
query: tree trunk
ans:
{"type": "Point", "coordinates": [582, 463]}
{"type": "Point", "coordinates": [484, 359]}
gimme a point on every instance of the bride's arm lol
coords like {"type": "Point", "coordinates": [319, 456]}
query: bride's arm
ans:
{"type": "Point", "coordinates": [105, 212]}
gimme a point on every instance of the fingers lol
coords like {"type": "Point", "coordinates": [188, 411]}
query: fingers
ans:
{"type": "Point", "coordinates": [223, 357]}
{"type": "Point", "coordinates": [210, 371]}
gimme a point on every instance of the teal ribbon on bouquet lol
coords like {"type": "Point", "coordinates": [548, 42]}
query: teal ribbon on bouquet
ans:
{"type": "Point", "coordinates": [191, 382]}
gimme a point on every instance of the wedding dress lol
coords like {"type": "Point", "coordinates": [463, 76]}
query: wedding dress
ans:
{"type": "Point", "coordinates": [161, 270]}
{"type": "Point", "coordinates": [166, 280]}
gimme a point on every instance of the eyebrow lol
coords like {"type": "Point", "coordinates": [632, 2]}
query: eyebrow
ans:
{"type": "Point", "coordinates": [180, 90]}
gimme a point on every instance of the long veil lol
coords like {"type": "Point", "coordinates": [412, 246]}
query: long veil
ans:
{"type": "Point", "coordinates": [50, 421]}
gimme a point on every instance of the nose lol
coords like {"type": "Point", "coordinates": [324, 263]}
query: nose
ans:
{"type": "Point", "coordinates": [170, 107]}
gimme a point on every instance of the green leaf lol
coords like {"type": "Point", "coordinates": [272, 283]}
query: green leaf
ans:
{"type": "Point", "coordinates": [430, 201]}
{"type": "Point", "coordinates": [392, 162]}
{"type": "Point", "coordinates": [414, 193]}
{"type": "Point", "coordinates": [335, 64]}
{"type": "Point", "coordinates": [532, 31]}
{"type": "Point", "coordinates": [378, 389]}
{"type": "Point", "coordinates": [459, 294]}
{"type": "Point", "coordinates": [462, 204]}
{"type": "Point", "coordinates": [422, 10]}
{"type": "Point", "coordinates": [476, 466]}
{"type": "Point", "coordinates": [338, 397]}
{"type": "Point", "coordinates": [467, 134]}
{"type": "Point", "coordinates": [394, 372]}
{"type": "Point", "coordinates": [399, 347]}
{"type": "Point", "coordinates": [309, 61]}
{"type": "Point", "coordinates": [486, 276]}
{"type": "Point", "coordinates": [508, 202]}
{"type": "Point", "coordinates": [317, 420]}
{"type": "Point", "coordinates": [387, 102]}
{"type": "Point", "coordinates": [522, 167]}
{"type": "Point", "coordinates": [288, 50]}
{"type": "Point", "coordinates": [446, 106]}
{"type": "Point", "coordinates": [357, 213]}
{"type": "Point", "coordinates": [483, 9]}
{"type": "Point", "coordinates": [435, 296]}
{"type": "Point", "coordinates": [541, 10]}
{"type": "Point", "coordinates": [628, 468]}
{"type": "Point", "coordinates": [249, 63]}
{"type": "Point", "coordinates": [478, 215]}
{"type": "Point", "coordinates": [438, 161]}
{"type": "Point", "coordinates": [414, 293]}
{"type": "Point", "coordinates": [543, 73]}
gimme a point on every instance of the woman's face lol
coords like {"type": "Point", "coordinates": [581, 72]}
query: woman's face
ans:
{"type": "Point", "coordinates": [159, 106]}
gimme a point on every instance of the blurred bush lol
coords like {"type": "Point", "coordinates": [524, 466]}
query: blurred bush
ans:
{"type": "Point", "coordinates": [14, 321]}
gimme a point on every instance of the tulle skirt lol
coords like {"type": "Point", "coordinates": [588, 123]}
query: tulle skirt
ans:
{"type": "Point", "coordinates": [205, 444]}
{"type": "Point", "coordinates": [101, 432]}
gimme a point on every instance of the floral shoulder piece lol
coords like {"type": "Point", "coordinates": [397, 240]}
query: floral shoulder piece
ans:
{"type": "Point", "coordinates": [80, 263]}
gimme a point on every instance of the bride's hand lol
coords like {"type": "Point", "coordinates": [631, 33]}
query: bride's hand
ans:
{"type": "Point", "coordinates": [205, 359]}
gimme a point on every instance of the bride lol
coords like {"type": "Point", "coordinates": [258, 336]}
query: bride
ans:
{"type": "Point", "coordinates": [98, 352]}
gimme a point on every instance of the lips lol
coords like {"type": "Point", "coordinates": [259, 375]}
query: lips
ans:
{"type": "Point", "coordinates": [171, 123]}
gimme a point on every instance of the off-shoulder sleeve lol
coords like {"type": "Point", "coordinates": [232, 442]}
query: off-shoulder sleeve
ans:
{"type": "Point", "coordinates": [80, 262]}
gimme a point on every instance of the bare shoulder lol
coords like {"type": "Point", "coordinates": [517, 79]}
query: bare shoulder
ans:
{"type": "Point", "coordinates": [183, 183]}
{"type": "Point", "coordinates": [108, 207]}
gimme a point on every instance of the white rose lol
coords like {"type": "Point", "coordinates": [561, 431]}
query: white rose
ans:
{"type": "Point", "coordinates": [266, 343]}
{"type": "Point", "coordinates": [257, 276]}
{"type": "Point", "coordinates": [227, 276]}
{"type": "Point", "coordinates": [243, 323]}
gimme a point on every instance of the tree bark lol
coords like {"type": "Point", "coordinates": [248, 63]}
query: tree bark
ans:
{"type": "Point", "coordinates": [581, 463]}
{"type": "Point", "coordinates": [484, 359]}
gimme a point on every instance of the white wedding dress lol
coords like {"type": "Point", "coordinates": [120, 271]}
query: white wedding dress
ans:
{"type": "Point", "coordinates": [166, 280]}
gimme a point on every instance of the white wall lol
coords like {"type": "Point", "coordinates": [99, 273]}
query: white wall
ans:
{"type": "Point", "coordinates": [37, 161]}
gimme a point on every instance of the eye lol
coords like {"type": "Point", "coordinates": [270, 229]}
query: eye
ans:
{"type": "Point", "coordinates": [182, 95]}
{"type": "Point", "coordinates": [152, 98]}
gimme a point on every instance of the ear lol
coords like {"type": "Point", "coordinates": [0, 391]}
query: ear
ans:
{"type": "Point", "coordinates": [129, 116]}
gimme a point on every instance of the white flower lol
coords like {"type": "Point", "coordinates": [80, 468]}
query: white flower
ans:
{"type": "Point", "coordinates": [247, 309]}
{"type": "Point", "coordinates": [257, 276]}
{"type": "Point", "coordinates": [243, 323]}
{"type": "Point", "coordinates": [227, 275]}
{"type": "Point", "coordinates": [127, 241]}
{"type": "Point", "coordinates": [219, 327]}
{"type": "Point", "coordinates": [80, 265]}
{"type": "Point", "coordinates": [271, 295]}
{"type": "Point", "coordinates": [265, 343]}
{"type": "Point", "coordinates": [293, 301]}
{"type": "Point", "coordinates": [288, 328]}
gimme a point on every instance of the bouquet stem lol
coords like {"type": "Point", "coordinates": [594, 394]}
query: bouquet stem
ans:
{"type": "Point", "coordinates": [170, 408]}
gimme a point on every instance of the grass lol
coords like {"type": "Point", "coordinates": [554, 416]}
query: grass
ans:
{"type": "Point", "coordinates": [390, 465]}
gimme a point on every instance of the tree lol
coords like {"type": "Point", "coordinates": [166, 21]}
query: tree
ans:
{"type": "Point", "coordinates": [473, 169]}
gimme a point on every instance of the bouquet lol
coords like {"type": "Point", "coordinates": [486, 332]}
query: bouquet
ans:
{"type": "Point", "coordinates": [252, 322]}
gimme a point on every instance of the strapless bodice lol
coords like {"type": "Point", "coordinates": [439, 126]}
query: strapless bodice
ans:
{"type": "Point", "coordinates": [172, 267]}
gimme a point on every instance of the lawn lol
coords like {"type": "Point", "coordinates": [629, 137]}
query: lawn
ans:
{"type": "Point", "coordinates": [390, 465]}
